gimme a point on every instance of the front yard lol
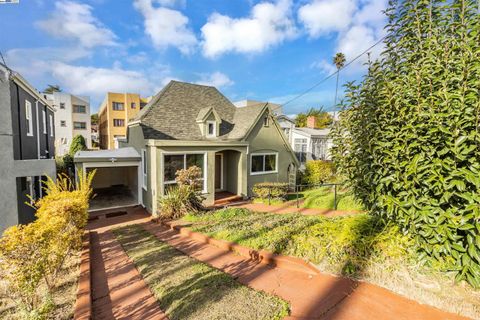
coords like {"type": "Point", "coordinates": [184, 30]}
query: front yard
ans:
{"type": "Point", "coordinates": [188, 289]}
{"type": "Point", "coordinates": [358, 246]}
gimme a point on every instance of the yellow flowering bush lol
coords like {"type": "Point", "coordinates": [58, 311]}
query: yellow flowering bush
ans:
{"type": "Point", "coordinates": [33, 253]}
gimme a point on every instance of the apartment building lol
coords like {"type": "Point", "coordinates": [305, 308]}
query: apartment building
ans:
{"type": "Point", "coordinates": [72, 117]}
{"type": "Point", "coordinates": [27, 136]}
{"type": "Point", "coordinates": [114, 114]}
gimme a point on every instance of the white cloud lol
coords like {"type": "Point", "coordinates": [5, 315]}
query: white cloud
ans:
{"type": "Point", "coordinates": [268, 24]}
{"type": "Point", "coordinates": [321, 17]}
{"type": "Point", "coordinates": [216, 79]}
{"type": "Point", "coordinates": [74, 21]}
{"type": "Point", "coordinates": [97, 81]}
{"type": "Point", "coordinates": [324, 66]}
{"type": "Point", "coordinates": [166, 27]}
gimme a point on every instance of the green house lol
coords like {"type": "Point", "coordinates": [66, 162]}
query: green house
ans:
{"type": "Point", "coordinates": [188, 124]}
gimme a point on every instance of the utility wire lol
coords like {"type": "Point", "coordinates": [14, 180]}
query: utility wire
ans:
{"type": "Point", "coordinates": [333, 74]}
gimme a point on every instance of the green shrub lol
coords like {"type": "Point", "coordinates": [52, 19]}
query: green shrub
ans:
{"type": "Point", "coordinates": [78, 144]}
{"type": "Point", "coordinates": [183, 198]}
{"type": "Point", "coordinates": [408, 135]}
{"type": "Point", "coordinates": [318, 172]}
{"type": "Point", "coordinates": [273, 190]}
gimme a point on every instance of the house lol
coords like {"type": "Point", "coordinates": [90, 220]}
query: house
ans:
{"type": "Point", "coordinates": [116, 110]}
{"type": "Point", "coordinates": [27, 138]}
{"type": "Point", "coordinates": [188, 124]}
{"type": "Point", "coordinates": [287, 124]}
{"type": "Point", "coordinates": [72, 117]}
{"type": "Point", "coordinates": [310, 143]}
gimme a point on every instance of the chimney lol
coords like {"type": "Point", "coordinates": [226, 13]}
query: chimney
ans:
{"type": "Point", "coordinates": [311, 122]}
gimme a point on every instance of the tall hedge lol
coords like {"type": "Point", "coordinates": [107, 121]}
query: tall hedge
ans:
{"type": "Point", "coordinates": [408, 136]}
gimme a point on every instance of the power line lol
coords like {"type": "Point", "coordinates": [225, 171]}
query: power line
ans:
{"type": "Point", "coordinates": [333, 74]}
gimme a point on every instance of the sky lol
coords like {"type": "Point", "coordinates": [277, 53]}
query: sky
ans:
{"type": "Point", "coordinates": [268, 50]}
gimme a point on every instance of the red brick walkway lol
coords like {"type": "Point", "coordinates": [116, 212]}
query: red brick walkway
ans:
{"type": "Point", "coordinates": [318, 296]}
{"type": "Point", "coordinates": [118, 290]}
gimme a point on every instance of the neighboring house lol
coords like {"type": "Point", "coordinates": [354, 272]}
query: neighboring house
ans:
{"type": "Point", "coordinates": [275, 108]}
{"type": "Point", "coordinates": [27, 138]}
{"type": "Point", "coordinates": [116, 110]}
{"type": "Point", "coordinates": [187, 124]}
{"type": "Point", "coordinates": [94, 134]}
{"type": "Point", "coordinates": [287, 126]}
{"type": "Point", "coordinates": [72, 117]}
{"type": "Point", "coordinates": [310, 143]}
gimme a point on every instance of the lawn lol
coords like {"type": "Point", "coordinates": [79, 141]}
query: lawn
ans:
{"type": "Point", "coordinates": [358, 246]}
{"type": "Point", "coordinates": [188, 289]}
{"type": "Point", "coordinates": [64, 295]}
{"type": "Point", "coordinates": [321, 198]}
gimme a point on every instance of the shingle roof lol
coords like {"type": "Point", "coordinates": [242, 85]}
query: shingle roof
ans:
{"type": "Point", "coordinates": [172, 113]}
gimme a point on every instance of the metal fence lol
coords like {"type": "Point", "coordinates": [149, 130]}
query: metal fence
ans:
{"type": "Point", "coordinates": [297, 189]}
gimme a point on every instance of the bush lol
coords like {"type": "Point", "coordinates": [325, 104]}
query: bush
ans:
{"type": "Point", "coordinates": [318, 172]}
{"type": "Point", "coordinates": [30, 254]}
{"type": "Point", "coordinates": [274, 190]}
{"type": "Point", "coordinates": [408, 135]}
{"type": "Point", "coordinates": [183, 198]}
{"type": "Point", "coordinates": [78, 144]}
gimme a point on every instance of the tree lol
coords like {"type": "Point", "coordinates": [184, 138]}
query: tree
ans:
{"type": "Point", "coordinates": [94, 118]}
{"type": "Point", "coordinates": [323, 118]}
{"type": "Point", "coordinates": [51, 88]}
{"type": "Point", "coordinates": [78, 144]}
{"type": "Point", "coordinates": [339, 61]}
{"type": "Point", "coordinates": [408, 134]}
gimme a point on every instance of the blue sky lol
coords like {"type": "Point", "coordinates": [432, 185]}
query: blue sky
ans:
{"type": "Point", "coordinates": [263, 50]}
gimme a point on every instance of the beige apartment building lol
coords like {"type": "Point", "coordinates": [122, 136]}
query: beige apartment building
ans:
{"type": "Point", "coordinates": [116, 110]}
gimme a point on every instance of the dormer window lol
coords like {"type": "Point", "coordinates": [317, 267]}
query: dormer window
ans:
{"type": "Point", "coordinates": [211, 129]}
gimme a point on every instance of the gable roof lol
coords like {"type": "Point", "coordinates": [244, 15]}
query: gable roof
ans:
{"type": "Point", "coordinates": [172, 114]}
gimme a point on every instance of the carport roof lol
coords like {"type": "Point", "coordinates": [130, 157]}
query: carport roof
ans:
{"type": "Point", "coordinates": [114, 155]}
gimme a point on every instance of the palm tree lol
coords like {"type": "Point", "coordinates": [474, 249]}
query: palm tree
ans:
{"type": "Point", "coordinates": [339, 61]}
{"type": "Point", "coordinates": [51, 88]}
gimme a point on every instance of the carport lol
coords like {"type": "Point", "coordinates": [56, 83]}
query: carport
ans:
{"type": "Point", "coordinates": [117, 180]}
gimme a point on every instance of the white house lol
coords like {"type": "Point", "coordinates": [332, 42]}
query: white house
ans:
{"type": "Point", "coordinates": [287, 124]}
{"type": "Point", "coordinates": [72, 117]}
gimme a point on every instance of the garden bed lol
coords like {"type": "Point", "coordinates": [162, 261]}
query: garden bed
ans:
{"type": "Point", "coordinates": [188, 289]}
{"type": "Point", "coordinates": [64, 294]}
{"type": "Point", "coordinates": [357, 246]}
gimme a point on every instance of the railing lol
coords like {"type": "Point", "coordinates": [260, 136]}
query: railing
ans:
{"type": "Point", "coordinates": [297, 189]}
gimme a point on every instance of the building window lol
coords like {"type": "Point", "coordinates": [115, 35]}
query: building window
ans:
{"type": "Point", "coordinates": [211, 129]}
{"type": "Point", "coordinates": [28, 118]}
{"type": "Point", "coordinates": [144, 169]}
{"type": "Point", "coordinates": [174, 162]}
{"type": "Point", "coordinates": [133, 105]}
{"type": "Point", "coordinates": [79, 125]}
{"type": "Point", "coordinates": [319, 147]}
{"type": "Point", "coordinates": [118, 122]}
{"type": "Point", "coordinates": [44, 121]}
{"type": "Point", "coordinates": [300, 148]}
{"type": "Point", "coordinates": [117, 106]}
{"type": "Point", "coordinates": [31, 189]}
{"type": "Point", "coordinates": [263, 163]}
{"type": "Point", "coordinates": [79, 109]}
{"type": "Point", "coordinates": [62, 105]}
{"type": "Point", "coordinates": [63, 123]}
{"type": "Point", "coordinates": [50, 118]}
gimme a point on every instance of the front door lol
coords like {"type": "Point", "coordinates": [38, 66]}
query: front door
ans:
{"type": "Point", "coordinates": [218, 171]}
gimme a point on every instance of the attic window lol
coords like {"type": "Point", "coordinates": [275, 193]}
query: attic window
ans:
{"type": "Point", "coordinates": [265, 121]}
{"type": "Point", "coordinates": [211, 129]}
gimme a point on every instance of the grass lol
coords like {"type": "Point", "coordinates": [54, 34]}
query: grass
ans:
{"type": "Point", "coordinates": [64, 295]}
{"type": "Point", "coordinates": [320, 198]}
{"type": "Point", "coordinates": [358, 246]}
{"type": "Point", "coordinates": [188, 289]}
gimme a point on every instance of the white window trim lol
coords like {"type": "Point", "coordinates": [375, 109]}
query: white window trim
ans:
{"type": "Point", "coordinates": [264, 154]}
{"type": "Point", "coordinates": [214, 123]}
{"type": "Point", "coordinates": [204, 169]}
{"type": "Point", "coordinates": [50, 117]}
{"type": "Point", "coordinates": [44, 119]}
{"type": "Point", "coordinates": [28, 116]}
{"type": "Point", "coordinates": [144, 171]}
